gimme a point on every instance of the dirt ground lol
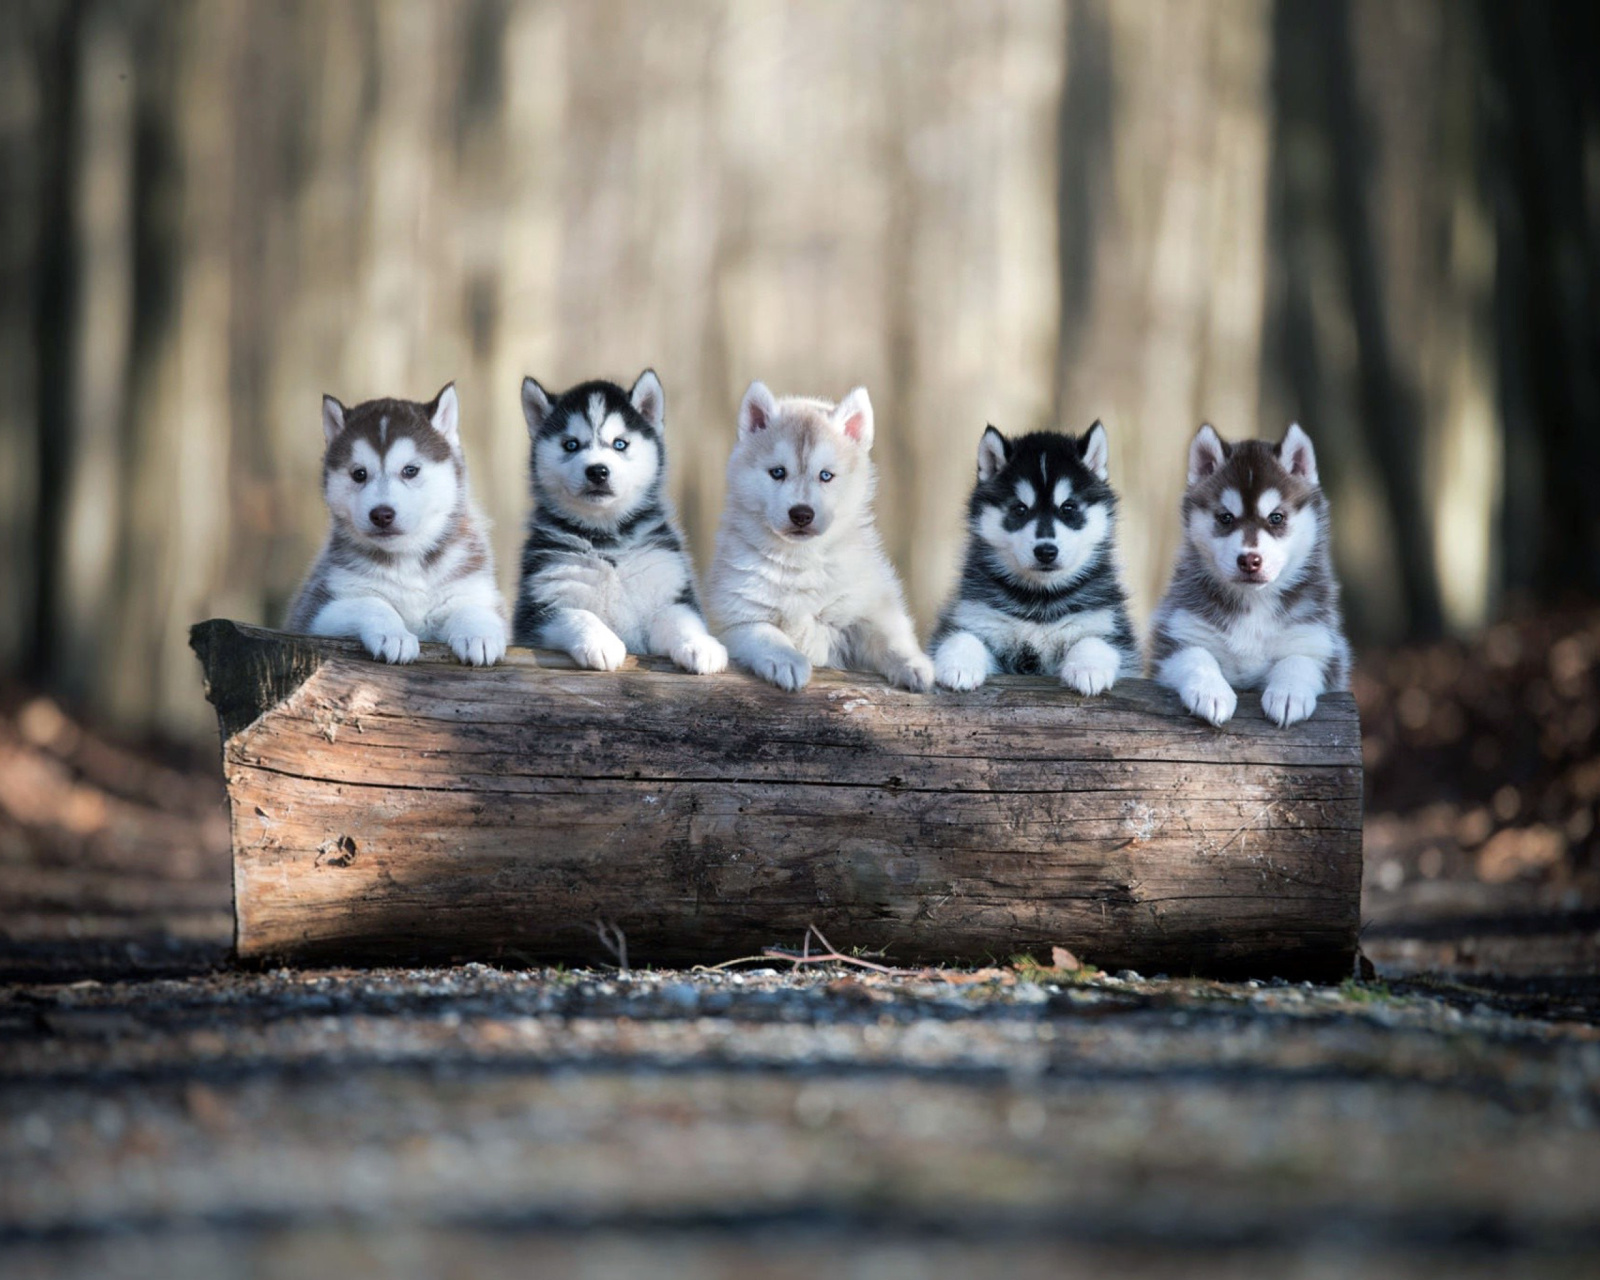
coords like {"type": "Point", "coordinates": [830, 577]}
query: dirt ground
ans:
{"type": "Point", "coordinates": [164, 1113]}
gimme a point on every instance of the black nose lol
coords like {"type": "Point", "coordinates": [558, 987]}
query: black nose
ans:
{"type": "Point", "coordinates": [598, 474]}
{"type": "Point", "coordinates": [381, 517]}
{"type": "Point", "coordinates": [1045, 552]}
{"type": "Point", "coordinates": [1250, 561]}
{"type": "Point", "coordinates": [801, 516]}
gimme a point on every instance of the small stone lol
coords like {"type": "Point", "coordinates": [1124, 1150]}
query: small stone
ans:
{"type": "Point", "coordinates": [680, 995]}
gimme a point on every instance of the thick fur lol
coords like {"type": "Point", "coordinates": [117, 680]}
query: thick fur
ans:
{"type": "Point", "coordinates": [1253, 603]}
{"type": "Point", "coordinates": [1040, 589]}
{"type": "Point", "coordinates": [800, 577]}
{"type": "Point", "coordinates": [604, 572]}
{"type": "Point", "coordinates": [407, 557]}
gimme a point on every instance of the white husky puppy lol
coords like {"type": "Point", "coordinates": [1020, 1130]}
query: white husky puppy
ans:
{"type": "Point", "coordinates": [604, 571]}
{"type": "Point", "coordinates": [1253, 603]}
{"type": "Point", "coordinates": [800, 576]}
{"type": "Point", "coordinates": [407, 556]}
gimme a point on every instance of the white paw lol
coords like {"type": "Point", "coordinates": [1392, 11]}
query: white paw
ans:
{"type": "Point", "coordinates": [1089, 678]}
{"type": "Point", "coordinates": [703, 655]}
{"type": "Point", "coordinates": [1091, 667]}
{"type": "Point", "coordinates": [1287, 704]}
{"type": "Point", "coordinates": [915, 674]}
{"type": "Point", "coordinates": [786, 670]}
{"type": "Point", "coordinates": [479, 651]}
{"type": "Point", "coordinates": [1210, 697]}
{"type": "Point", "coordinates": [962, 663]}
{"type": "Point", "coordinates": [600, 649]}
{"type": "Point", "coordinates": [391, 646]}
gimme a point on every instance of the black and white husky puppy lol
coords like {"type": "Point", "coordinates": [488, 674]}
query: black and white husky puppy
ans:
{"type": "Point", "coordinates": [1040, 590]}
{"type": "Point", "coordinates": [604, 572]}
{"type": "Point", "coordinates": [407, 556]}
{"type": "Point", "coordinates": [1253, 603]}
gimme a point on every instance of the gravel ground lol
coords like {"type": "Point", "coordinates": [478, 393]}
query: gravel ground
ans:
{"type": "Point", "coordinates": [451, 1121]}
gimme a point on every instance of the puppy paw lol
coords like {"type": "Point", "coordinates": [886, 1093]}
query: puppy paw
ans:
{"type": "Point", "coordinates": [914, 673]}
{"type": "Point", "coordinates": [1091, 667]}
{"type": "Point", "coordinates": [786, 670]}
{"type": "Point", "coordinates": [391, 646]}
{"type": "Point", "coordinates": [703, 655]}
{"type": "Point", "coordinates": [1211, 698]}
{"type": "Point", "coordinates": [962, 663]}
{"type": "Point", "coordinates": [600, 649]}
{"type": "Point", "coordinates": [479, 651]}
{"type": "Point", "coordinates": [1286, 704]}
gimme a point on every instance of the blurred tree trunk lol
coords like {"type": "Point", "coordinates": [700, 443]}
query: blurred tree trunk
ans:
{"type": "Point", "coordinates": [1163, 161]}
{"type": "Point", "coordinates": [1542, 105]}
{"type": "Point", "coordinates": [1328, 336]}
{"type": "Point", "coordinates": [30, 52]}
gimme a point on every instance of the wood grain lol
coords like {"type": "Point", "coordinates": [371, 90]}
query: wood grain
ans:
{"type": "Point", "coordinates": [390, 814]}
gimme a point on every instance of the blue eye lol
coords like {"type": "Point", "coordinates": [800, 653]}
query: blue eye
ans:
{"type": "Point", "coordinates": [571, 446]}
{"type": "Point", "coordinates": [824, 476]}
{"type": "Point", "coordinates": [620, 445]}
{"type": "Point", "coordinates": [410, 471]}
{"type": "Point", "coordinates": [1069, 508]}
{"type": "Point", "coordinates": [1275, 518]}
{"type": "Point", "coordinates": [778, 473]}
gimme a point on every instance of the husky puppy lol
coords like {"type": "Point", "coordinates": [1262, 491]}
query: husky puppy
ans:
{"type": "Point", "coordinates": [800, 576]}
{"type": "Point", "coordinates": [1039, 589]}
{"type": "Point", "coordinates": [603, 567]}
{"type": "Point", "coordinates": [407, 556]}
{"type": "Point", "coordinates": [1253, 602]}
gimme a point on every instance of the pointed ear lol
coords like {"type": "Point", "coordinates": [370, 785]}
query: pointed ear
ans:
{"type": "Point", "coordinates": [1297, 455]}
{"type": "Point", "coordinates": [332, 419]}
{"type": "Point", "coordinates": [446, 414]}
{"type": "Point", "coordinates": [1207, 452]}
{"type": "Point", "coordinates": [649, 400]}
{"type": "Point", "coordinates": [853, 416]}
{"type": "Point", "coordinates": [535, 406]}
{"type": "Point", "coordinates": [993, 452]}
{"type": "Point", "coordinates": [756, 410]}
{"type": "Point", "coordinates": [1095, 450]}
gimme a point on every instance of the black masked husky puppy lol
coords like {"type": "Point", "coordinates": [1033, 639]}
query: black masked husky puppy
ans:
{"type": "Point", "coordinates": [407, 557]}
{"type": "Point", "coordinates": [1253, 602]}
{"type": "Point", "coordinates": [604, 571]}
{"type": "Point", "coordinates": [1040, 590]}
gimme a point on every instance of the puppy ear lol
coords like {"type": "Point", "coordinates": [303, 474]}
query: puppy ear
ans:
{"type": "Point", "coordinates": [1095, 450]}
{"type": "Point", "coordinates": [535, 406]}
{"type": "Point", "coordinates": [649, 400]}
{"type": "Point", "coordinates": [332, 419]}
{"type": "Point", "coordinates": [1297, 455]}
{"type": "Point", "coordinates": [1207, 452]}
{"type": "Point", "coordinates": [445, 414]}
{"type": "Point", "coordinates": [756, 410]}
{"type": "Point", "coordinates": [853, 416]}
{"type": "Point", "coordinates": [994, 450]}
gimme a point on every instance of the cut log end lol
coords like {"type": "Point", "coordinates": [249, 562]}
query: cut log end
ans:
{"type": "Point", "coordinates": [436, 813]}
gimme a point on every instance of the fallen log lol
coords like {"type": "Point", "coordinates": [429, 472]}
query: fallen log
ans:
{"type": "Point", "coordinates": [532, 812]}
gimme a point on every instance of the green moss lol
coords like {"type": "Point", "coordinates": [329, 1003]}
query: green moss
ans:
{"type": "Point", "coordinates": [1353, 989]}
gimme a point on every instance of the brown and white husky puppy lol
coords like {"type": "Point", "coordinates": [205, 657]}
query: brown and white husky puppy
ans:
{"type": "Point", "coordinates": [407, 556]}
{"type": "Point", "coordinates": [1253, 602]}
